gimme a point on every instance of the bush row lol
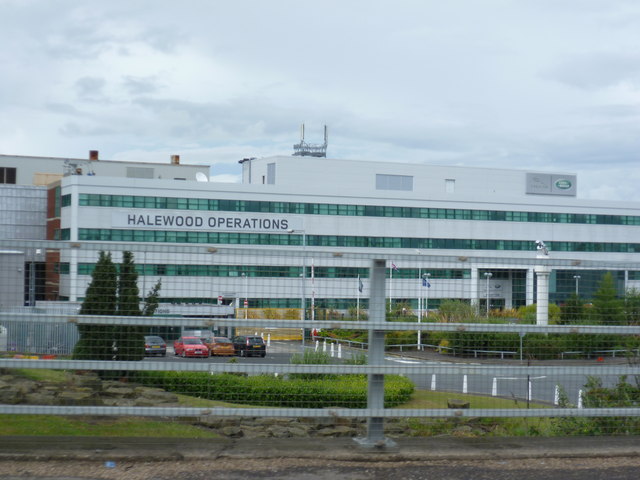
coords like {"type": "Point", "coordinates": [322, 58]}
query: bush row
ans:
{"type": "Point", "coordinates": [347, 391]}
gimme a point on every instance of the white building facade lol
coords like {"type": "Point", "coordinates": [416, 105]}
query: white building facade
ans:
{"type": "Point", "coordinates": [314, 211]}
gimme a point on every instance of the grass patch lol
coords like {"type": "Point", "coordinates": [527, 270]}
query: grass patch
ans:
{"type": "Point", "coordinates": [42, 374]}
{"type": "Point", "coordinates": [470, 426]}
{"type": "Point", "coordinates": [46, 425]}
{"type": "Point", "coordinates": [431, 399]}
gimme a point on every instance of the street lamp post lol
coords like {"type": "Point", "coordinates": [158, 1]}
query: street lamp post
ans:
{"type": "Point", "coordinates": [577, 279]}
{"type": "Point", "coordinates": [303, 276]}
{"type": "Point", "coordinates": [488, 275]}
{"type": "Point", "coordinates": [425, 282]}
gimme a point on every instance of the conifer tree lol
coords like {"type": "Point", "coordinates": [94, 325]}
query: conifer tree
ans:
{"type": "Point", "coordinates": [96, 341]}
{"type": "Point", "coordinates": [114, 292]}
{"type": "Point", "coordinates": [607, 307]}
{"type": "Point", "coordinates": [151, 303]}
{"type": "Point", "coordinates": [130, 338]}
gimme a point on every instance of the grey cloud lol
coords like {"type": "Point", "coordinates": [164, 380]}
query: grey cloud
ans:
{"type": "Point", "coordinates": [596, 70]}
{"type": "Point", "coordinates": [90, 87]}
{"type": "Point", "coordinates": [140, 85]}
{"type": "Point", "coordinates": [73, 129]}
{"type": "Point", "coordinates": [62, 108]}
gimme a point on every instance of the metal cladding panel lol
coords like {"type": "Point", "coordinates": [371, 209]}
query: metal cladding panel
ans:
{"type": "Point", "coordinates": [11, 271]}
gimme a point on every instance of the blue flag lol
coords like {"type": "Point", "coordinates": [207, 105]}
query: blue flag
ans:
{"type": "Point", "coordinates": [425, 282]}
{"type": "Point", "coordinates": [360, 285]}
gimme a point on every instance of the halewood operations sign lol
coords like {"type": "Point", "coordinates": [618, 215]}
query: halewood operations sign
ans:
{"type": "Point", "coordinates": [219, 221]}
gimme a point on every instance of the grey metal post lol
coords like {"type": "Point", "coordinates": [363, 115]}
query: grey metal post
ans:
{"type": "Point", "coordinates": [375, 398]}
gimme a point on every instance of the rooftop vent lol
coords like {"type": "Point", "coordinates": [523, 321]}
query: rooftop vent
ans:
{"type": "Point", "coordinates": [93, 155]}
{"type": "Point", "coordinates": [175, 159]}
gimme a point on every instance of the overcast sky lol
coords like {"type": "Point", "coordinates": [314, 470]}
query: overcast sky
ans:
{"type": "Point", "coordinates": [537, 85]}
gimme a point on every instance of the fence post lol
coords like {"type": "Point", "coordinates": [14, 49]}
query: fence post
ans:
{"type": "Point", "coordinates": [375, 397]}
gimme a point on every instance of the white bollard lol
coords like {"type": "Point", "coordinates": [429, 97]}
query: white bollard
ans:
{"type": "Point", "coordinates": [579, 398]}
{"type": "Point", "coordinates": [464, 384]}
{"type": "Point", "coordinates": [433, 381]}
{"type": "Point", "coordinates": [324, 346]}
{"type": "Point", "coordinates": [529, 392]}
{"type": "Point", "coordinates": [255, 333]}
{"type": "Point", "coordinates": [494, 387]}
{"type": "Point", "coordinates": [269, 340]}
{"type": "Point", "coordinates": [332, 349]}
{"type": "Point", "coordinates": [339, 350]}
{"type": "Point", "coordinates": [317, 345]}
{"type": "Point", "coordinates": [556, 395]}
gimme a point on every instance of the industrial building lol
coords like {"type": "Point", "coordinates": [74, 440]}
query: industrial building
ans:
{"type": "Point", "coordinates": [294, 203]}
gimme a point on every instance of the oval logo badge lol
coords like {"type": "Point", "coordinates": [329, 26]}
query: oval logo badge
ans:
{"type": "Point", "coordinates": [563, 184]}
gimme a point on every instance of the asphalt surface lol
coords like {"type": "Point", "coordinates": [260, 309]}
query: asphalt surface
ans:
{"type": "Point", "coordinates": [522, 458]}
{"type": "Point", "coordinates": [406, 449]}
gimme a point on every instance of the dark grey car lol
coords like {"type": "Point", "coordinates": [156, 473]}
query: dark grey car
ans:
{"type": "Point", "coordinates": [249, 346]}
{"type": "Point", "coordinates": [154, 345]}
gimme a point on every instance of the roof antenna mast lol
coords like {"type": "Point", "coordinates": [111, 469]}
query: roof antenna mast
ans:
{"type": "Point", "coordinates": [304, 149]}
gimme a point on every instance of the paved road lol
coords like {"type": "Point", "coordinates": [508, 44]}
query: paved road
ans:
{"type": "Point", "coordinates": [541, 388]}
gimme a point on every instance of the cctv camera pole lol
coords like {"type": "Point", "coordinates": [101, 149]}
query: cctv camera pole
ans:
{"type": "Point", "coordinates": [542, 276]}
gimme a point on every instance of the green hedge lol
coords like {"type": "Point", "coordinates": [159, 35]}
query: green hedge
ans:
{"type": "Point", "coordinates": [346, 391]}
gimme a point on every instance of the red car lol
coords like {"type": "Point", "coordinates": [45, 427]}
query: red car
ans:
{"type": "Point", "coordinates": [190, 347]}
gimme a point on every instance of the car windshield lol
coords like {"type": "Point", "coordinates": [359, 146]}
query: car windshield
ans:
{"type": "Point", "coordinates": [192, 341]}
{"type": "Point", "coordinates": [153, 340]}
{"type": "Point", "coordinates": [255, 339]}
{"type": "Point", "coordinates": [222, 340]}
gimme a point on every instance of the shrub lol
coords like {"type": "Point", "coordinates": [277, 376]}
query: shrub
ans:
{"type": "Point", "coordinates": [345, 391]}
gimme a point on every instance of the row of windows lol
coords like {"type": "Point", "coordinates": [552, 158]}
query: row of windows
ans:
{"type": "Point", "coordinates": [131, 201]}
{"type": "Point", "coordinates": [294, 303]}
{"type": "Point", "coordinates": [107, 235]}
{"type": "Point", "coordinates": [270, 271]}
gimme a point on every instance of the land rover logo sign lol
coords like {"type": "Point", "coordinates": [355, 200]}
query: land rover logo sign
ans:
{"type": "Point", "coordinates": [549, 184]}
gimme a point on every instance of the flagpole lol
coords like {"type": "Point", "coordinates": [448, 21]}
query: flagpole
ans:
{"type": "Point", "coordinates": [390, 286]}
{"type": "Point", "coordinates": [419, 304]}
{"type": "Point", "coordinates": [313, 292]}
{"type": "Point", "coordinates": [358, 302]}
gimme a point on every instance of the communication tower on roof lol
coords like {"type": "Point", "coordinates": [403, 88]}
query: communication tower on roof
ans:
{"type": "Point", "coordinates": [304, 149]}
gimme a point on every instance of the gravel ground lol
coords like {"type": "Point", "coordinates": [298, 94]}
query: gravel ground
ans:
{"type": "Point", "coordinates": [614, 468]}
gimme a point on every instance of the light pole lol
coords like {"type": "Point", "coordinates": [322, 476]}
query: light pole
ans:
{"type": "Point", "coordinates": [245, 277]}
{"type": "Point", "coordinates": [425, 283]}
{"type": "Point", "coordinates": [303, 276]}
{"type": "Point", "coordinates": [488, 275]}
{"type": "Point", "coordinates": [577, 279]}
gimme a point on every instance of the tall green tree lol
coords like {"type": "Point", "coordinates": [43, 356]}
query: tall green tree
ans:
{"type": "Point", "coordinates": [97, 341]}
{"type": "Point", "coordinates": [607, 309]}
{"type": "Point", "coordinates": [128, 292]}
{"type": "Point", "coordinates": [129, 338]}
{"type": "Point", "coordinates": [632, 306]}
{"type": "Point", "coordinates": [152, 301]}
{"type": "Point", "coordinates": [114, 291]}
{"type": "Point", "coordinates": [572, 311]}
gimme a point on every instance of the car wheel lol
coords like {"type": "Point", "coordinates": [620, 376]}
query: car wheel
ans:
{"type": "Point", "coordinates": [263, 354]}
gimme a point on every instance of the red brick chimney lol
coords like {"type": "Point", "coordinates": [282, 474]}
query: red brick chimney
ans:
{"type": "Point", "coordinates": [175, 159]}
{"type": "Point", "coordinates": [93, 155]}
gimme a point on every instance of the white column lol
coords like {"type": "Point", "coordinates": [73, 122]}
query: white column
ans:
{"type": "Point", "coordinates": [473, 290]}
{"type": "Point", "coordinates": [529, 286]}
{"type": "Point", "coordinates": [542, 309]}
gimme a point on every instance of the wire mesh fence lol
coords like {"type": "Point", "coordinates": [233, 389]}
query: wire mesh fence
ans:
{"type": "Point", "coordinates": [182, 331]}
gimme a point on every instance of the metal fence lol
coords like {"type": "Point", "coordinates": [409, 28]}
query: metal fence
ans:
{"type": "Point", "coordinates": [454, 334]}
